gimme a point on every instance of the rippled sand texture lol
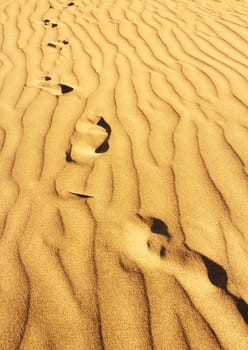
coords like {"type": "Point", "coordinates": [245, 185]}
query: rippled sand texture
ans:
{"type": "Point", "coordinates": [123, 174]}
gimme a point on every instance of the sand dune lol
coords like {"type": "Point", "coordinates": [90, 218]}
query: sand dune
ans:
{"type": "Point", "coordinates": [123, 174]}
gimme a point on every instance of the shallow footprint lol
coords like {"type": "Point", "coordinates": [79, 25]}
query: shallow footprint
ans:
{"type": "Point", "coordinates": [159, 236]}
{"type": "Point", "coordinates": [170, 254]}
{"type": "Point", "coordinates": [58, 45]}
{"type": "Point", "coordinates": [48, 24]}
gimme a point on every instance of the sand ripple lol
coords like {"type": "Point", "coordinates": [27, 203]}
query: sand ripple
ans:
{"type": "Point", "coordinates": [123, 168]}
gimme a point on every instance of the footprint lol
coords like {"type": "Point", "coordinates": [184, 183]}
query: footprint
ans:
{"type": "Point", "coordinates": [155, 249]}
{"type": "Point", "coordinates": [44, 80]}
{"type": "Point", "coordinates": [167, 252]}
{"type": "Point", "coordinates": [58, 44]}
{"type": "Point", "coordinates": [48, 85]}
{"type": "Point", "coordinates": [49, 24]}
{"type": "Point", "coordinates": [182, 260]}
{"type": "Point", "coordinates": [89, 133]}
{"type": "Point", "coordinates": [158, 245]}
{"type": "Point", "coordinates": [159, 237]}
{"type": "Point", "coordinates": [62, 6]}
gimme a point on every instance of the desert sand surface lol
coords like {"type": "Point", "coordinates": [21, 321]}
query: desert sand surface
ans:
{"type": "Point", "coordinates": [123, 174]}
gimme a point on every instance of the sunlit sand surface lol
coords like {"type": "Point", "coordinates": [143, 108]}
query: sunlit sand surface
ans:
{"type": "Point", "coordinates": [123, 175]}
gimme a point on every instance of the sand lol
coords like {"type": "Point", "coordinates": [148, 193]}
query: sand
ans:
{"type": "Point", "coordinates": [123, 175]}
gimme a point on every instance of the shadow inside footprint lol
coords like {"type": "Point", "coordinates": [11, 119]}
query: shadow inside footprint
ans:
{"type": "Point", "coordinates": [159, 227]}
{"type": "Point", "coordinates": [65, 88]}
{"type": "Point", "coordinates": [51, 45]}
{"type": "Point", "coordinates": [68, 157]}
{"type": "Point", "coordinates": [156, 225]}
{"type": "Point", "coordinates": [105, 125]}
{"type": "Point", "coordinates": [162, 251]}
{"type": "Point", "coordinates": [104, 146]}
{"type": "Point", "coordinates": [82, 195]}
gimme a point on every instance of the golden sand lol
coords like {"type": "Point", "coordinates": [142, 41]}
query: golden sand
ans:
{"type": "Point", "coordinates": [123, 174]}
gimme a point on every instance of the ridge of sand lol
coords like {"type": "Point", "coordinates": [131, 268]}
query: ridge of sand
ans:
{"type": "Point", "coordinates": [123, 174]}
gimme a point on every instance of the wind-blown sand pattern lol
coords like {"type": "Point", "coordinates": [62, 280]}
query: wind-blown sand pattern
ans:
{"type": "Point", "coordinates": [123, 174]}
